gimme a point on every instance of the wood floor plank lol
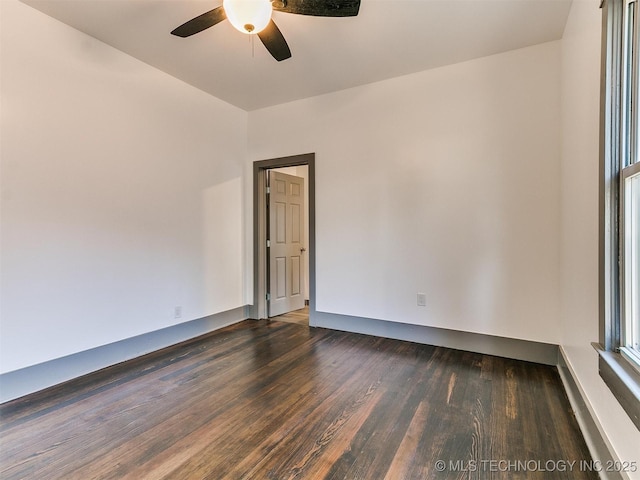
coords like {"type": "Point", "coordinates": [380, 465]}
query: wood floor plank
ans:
{"type": "Point", "coordinates": [279, 400]}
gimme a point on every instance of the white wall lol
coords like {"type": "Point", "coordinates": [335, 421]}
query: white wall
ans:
{"type": "Point", "coordinates": [444, 182]}
{"type": "Point", "coordinates": [580, 177]}
{"type": "Point", "coordinates": [121, 194]}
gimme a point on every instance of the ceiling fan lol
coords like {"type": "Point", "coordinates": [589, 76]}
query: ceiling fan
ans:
{"type": "Point", "coordinates": [254, 17]}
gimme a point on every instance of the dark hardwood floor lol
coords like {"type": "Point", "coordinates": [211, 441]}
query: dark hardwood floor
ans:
{"type": "Point", "coordinates": [274, 400]}
{"type": "Point", "coordinates": [301, 317]}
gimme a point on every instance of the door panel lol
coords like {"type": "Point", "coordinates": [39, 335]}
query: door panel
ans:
{"type": "Point", "coordinates": [295, 224]}
{"type": "Point", "coordinates": [281, 277]}
{"type": "Point", "coordinates": [295, 276]}
{"type": "Point", "coordinates": [281, 223]}
{"type": "Point", "coordinates": [286, 234]}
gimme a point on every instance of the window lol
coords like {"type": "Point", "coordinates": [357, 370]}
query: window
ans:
{"type": "Point", "coordinates": [630, 344]}
{"type": "Point", "coordinates": [630, 188]}
{"type": "Point", "coordinates": [620, 204]}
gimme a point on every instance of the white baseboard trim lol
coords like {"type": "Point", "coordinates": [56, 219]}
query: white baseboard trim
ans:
{"type": "Point", "coordinates": [538, 352]}
{"type": "Point", "coordinates": [600, 449]}
{"type": "Point", "coordinates": [38, 377]}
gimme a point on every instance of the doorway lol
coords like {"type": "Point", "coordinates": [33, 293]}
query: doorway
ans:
{"type": "Point", "coordinates": [261, 169]}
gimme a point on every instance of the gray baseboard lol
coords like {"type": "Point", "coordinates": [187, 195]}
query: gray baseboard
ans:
{"type": "Point", "coordinates": [538, 352]}
{"type": "Point", "coordinates": [38, 377]}
{"type": "Point", "coordinates": [592, 435]}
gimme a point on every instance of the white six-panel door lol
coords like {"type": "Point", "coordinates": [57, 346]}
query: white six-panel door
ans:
{"type": "Point", "coordinates": [286, 240]}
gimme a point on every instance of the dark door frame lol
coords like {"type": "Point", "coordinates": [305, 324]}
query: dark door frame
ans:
{"type": "Point", "coordinates": [260, 168]}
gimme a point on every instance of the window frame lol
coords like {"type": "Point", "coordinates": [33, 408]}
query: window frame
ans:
{"type": "Point", "coordinates": [618, 369]}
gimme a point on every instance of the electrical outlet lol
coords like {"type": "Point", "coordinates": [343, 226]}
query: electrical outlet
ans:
{"type": "Point", "coordinates": [422, 299]}
{"type": "Point", "coordinates": [177, 312]}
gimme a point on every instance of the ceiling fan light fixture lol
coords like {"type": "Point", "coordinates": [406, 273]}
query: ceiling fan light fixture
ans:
{"type": "Point", "coordinates": [248, 16]}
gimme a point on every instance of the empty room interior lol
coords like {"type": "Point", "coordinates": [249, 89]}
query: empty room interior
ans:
{"type": "Point", "coordinates": [380, 249]}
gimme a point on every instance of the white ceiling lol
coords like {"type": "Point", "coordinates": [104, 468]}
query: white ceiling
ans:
{"type": "Point", "coordinates": [387, 39]}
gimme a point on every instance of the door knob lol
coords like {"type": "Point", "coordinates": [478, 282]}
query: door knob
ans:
{"type": "Point", "coordinates": [302, 250]}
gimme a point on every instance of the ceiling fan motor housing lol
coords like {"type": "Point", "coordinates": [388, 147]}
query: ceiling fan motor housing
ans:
{"type": "Point", "coordinates": [254, 17]}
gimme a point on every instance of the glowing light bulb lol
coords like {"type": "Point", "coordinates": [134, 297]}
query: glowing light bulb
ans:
{"type": "Point", "coordinates": [248, 16]}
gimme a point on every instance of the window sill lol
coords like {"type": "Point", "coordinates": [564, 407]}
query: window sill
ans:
{"type": "Point", "coordinates": [622, 379]}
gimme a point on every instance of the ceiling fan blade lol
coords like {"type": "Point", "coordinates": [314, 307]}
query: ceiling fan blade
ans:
{"type": "Point", "coordinates": [200, 23]}
{"type": "Point", "coordinates": [319, 8]}
{"type": "Point", "coordinates": [274, 41]}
